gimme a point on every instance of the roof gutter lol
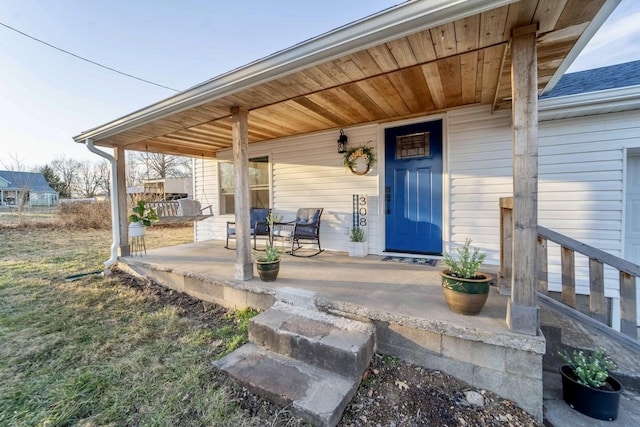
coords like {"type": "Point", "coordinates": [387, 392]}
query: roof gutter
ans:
{"type": "Point", "coordinates": [586, 36]}
{"type": "Point", "coordinates": [115, 218]}
{"type": "Point", "coordinates": [582, 104]}
{"type": "Point", "coordinates": [393, 23]}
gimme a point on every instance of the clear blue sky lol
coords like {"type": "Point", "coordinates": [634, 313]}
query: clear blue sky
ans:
{"type": "Point", "coordinates": [47, 97]}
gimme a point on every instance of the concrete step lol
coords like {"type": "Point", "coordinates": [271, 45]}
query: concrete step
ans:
{"type": "Point", "coordinates": [329, 342]}
{"type": "Point", "coordinates": [314, 394]}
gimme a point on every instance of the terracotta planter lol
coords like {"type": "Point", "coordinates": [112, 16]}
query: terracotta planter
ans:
{"type": "Point", "coordinates": [465, 296]}
{"type": "Point", "coordinates": [137, 229]}
{"type": "Point", "coordinates": [268, 271]}
{"type": "Point", "coordinates": [597, 403]}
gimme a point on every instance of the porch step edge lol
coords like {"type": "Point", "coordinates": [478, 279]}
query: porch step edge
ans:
{"type": "Point", "coordinates": [339, 345]}
{"type": "Point", "coordinates": [314, 394]}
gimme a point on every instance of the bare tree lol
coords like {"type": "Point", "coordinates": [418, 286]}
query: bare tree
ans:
{"type": "Point", "coordinates": [157, 165]}
{"type": "Point", "coordinates": [103, 171]}
{"type": "Point", "coordinates": [67, 170]}
{"type": "Point", "coordinates": [88, 180]}
{"type": "Point", "coordinates": [134, 173]}
{"type": "Point", "coordinates": [13, 162]}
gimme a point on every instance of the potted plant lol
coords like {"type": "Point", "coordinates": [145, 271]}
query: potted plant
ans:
{"type": "Point", "coordinates": [465, 288]}
{"type": "Point", "coordinates": [357, 245]}
{"type": "Point", "coordinates": [141, 217]}
{"type": "Point", "coordinates": [587, 386]}
{"type": "Point", "coordinates": [268, 262]}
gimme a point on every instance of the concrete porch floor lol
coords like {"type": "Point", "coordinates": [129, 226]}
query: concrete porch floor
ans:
{"type": "Point", "coordinates": [403, 301]}
{"type": "Point", "coordinates": [376, 289]}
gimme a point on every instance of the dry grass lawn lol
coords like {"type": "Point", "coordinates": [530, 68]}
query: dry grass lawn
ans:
{"type": "Point", "coordinates": [95, 352]}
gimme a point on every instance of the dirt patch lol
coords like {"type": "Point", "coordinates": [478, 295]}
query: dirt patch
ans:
{"type": "Point", "coordinates": [392, 392]}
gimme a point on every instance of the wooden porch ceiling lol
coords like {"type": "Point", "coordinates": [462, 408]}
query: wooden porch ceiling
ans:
{"type": "Point", "coordinates": [451, 65]}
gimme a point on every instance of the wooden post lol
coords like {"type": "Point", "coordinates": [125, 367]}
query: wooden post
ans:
{"type": "Point", "coordinates": [123, 208]}
{"type": "Point", "coordinates": [522, 309]}
{"type": "Point", "coordinates": [239, 132]}
{"type": "Point", "coordinates": [597, 301]}
{"type": "Point", "coordinates": [628, 304]}
{"type": "Point", "coordinates": [506, 245]}
{"type": "Point", "coordinates": [568, 265]}
{"type": "Point", "coordinates": [543, 266]}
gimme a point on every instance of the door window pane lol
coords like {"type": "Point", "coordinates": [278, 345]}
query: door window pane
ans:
{"type": "Point", "coordinates": [413, 146]}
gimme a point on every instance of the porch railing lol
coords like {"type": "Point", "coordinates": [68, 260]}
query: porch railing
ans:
{"type": "Point", "coordinates": [597, 309]}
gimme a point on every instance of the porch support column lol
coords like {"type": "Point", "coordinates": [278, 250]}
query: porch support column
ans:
{"type": "Point", "coordinates": [119, 155]}
{"type": "Point", "coordinates": [522, 308]}
{"type": "Point", "coordinates": [239, 133]}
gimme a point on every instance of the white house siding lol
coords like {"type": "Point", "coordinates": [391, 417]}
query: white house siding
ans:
{"type": "Point", "coordinates": [480, 172]}
{"type": "Point", "coordinates": [205, 187]}
{"type": "Point", "coordinates": [307, 171]}
{"type": "Point", "coordinates": [580, 181]}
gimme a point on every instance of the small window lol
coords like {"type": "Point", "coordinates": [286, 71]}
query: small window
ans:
{"type": "Point", "coordinates": [258, 185]}
{"type": "Point", "coordinates": [413, 146]}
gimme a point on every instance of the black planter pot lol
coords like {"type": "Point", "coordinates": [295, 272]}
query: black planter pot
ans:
{"type": "Point", "coordinates": [593, 402]}
{"type": "Point", "coordinates": [268, 271]}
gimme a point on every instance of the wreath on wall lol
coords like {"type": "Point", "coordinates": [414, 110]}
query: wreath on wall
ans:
{"type": "Point", "coordinates": [351, 159]}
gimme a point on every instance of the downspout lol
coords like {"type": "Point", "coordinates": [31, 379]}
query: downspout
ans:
{"type": "Point", "coordinates": [115, 219]}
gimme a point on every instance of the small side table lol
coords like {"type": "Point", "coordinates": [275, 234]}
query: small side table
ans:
{"type": "Point", "coordinates": [138, 246]}
{"type": "Point", "coordinates": [283, 231]}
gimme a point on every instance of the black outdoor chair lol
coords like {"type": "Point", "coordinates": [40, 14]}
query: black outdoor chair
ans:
{"type": "Point", "coordinates": [259, 226]}
{"type": "Point", "coordinates": [306, 228]}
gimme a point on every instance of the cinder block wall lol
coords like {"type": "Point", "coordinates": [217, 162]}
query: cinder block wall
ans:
{"type": "Point", "coordinates": [512, 373]}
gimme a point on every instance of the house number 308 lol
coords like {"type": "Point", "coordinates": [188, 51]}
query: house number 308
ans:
{"type": "Point", "coordinates": [362, 211]}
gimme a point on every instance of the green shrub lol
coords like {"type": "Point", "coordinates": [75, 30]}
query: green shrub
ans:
{"type": "Point", "coordinates": [357, 234]}
{"type": "Point", "coordinates": [592, 370]}
{"type": "Point", "coordinates": [470, 261]}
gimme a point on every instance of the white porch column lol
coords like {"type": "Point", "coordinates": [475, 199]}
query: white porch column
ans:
{"type": "Point", "coordinates": [239, 132]}
{"type": "Point", "coordinates": [119, 155]}
{"type": "Point", "coordinates": [522, 309]}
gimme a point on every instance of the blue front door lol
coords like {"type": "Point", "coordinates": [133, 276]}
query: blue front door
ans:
{"type": "Point", "coordinates": [413, 188]}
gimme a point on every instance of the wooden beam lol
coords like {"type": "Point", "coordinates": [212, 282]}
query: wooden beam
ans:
{"type": "Point", "coordinates": [522, 311]}
{"type": "Point", "coordinates": [123, 208]}
{"type": "Point", "coordinates": [240, 137]}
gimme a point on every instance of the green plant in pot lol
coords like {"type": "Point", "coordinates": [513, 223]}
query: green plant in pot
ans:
{"type": "Point", "coordinates": [465, 288]}
{"type": "Point", "coordinates": [268, 262]}
{"type": "Point", "coordinates": [587, 386]}
{"type": "Point", "coordinates": [142, 216]}
{"type": "Point", "coordinates": [357, 244]}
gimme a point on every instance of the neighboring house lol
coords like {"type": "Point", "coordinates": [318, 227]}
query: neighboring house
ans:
{"type": "Point", "coordinates": [30, 185]}
{"type": "Point", "coordinates": [164, 188]}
